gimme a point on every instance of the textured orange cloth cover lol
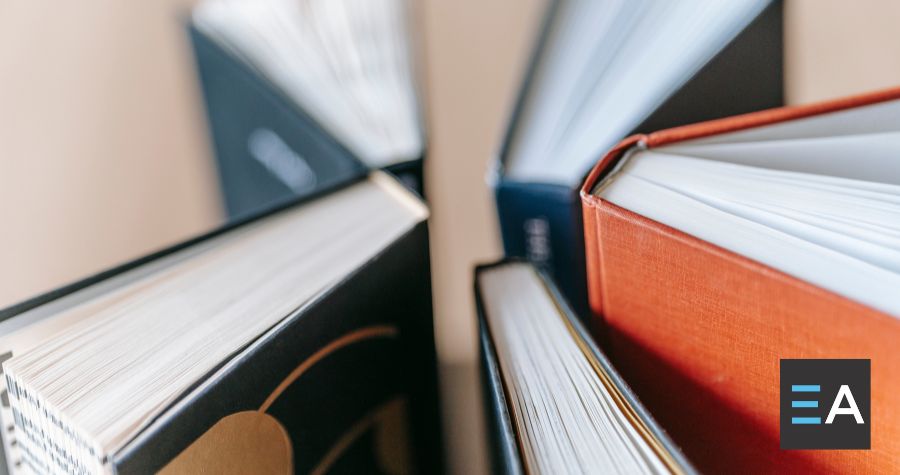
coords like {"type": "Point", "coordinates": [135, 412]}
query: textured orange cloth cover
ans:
{"type": "Point", "coordinates": [698, 331]}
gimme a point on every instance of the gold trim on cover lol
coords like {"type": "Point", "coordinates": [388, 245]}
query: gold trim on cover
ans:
{"type": "Point", "coordinates": [636, 421]}
{"type": "Point", "coordinates": [383, 417]}
{"type": "Point", "coordinates": [255, 442]}
{"type": "Point", "coordinates": [376, 331]}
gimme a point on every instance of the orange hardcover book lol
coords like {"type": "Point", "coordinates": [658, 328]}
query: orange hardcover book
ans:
{"type": "Point", "coordinates": [718, 249]}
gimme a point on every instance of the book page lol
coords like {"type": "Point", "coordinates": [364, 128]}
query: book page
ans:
{"type": "Point", "coordinates": [606, 66]}
{"type": "Point", "coordinates": [346, 62]}
{"type": "Point", "coordinates": [837, 233]}
{"type": "Point", "coordinates": [864, 156]}
{"type": "Point", "coordinates": [156, 337]}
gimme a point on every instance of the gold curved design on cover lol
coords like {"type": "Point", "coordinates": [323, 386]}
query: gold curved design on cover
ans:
{"type": "Point", "coordinates": [366, 333]}
{"type": "Point", "coordinates": [243, 442]}
{"type": "Point", "coordinates": [255, 442]}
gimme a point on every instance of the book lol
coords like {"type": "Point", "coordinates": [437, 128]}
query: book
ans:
{"type": "Point", "coordinates": [300, 341]}
{"type": "Point", "coordinates": [267, 153]}
{"type": "Point", "coordinates": [718, 249]}
{"type": "Point", "coordinates": [555, 403]}
{"type": "Point", "coordinates": [602, 70]}
{"type": "Point", "coordinates": [286, 83]}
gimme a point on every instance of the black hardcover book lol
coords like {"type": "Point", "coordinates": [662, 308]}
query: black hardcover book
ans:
{"type": "Point", "coordinates": [540, 212]}
{"type": "Point", "coordinates": [299, 341]}
{"type": "Point", "coordinates": [503, 449]}
{"type": "Point", "coordinates": [258, 121]}
{"type": "Point", "coordinates": [548, 388]}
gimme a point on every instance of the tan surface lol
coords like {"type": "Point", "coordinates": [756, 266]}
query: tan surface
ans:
{"type": "Point", "coordinates": [476, 53]}
{"type": "Point", "coordinates": [835, 47]}
{"type": "Point", "coordinates": [98, 116]}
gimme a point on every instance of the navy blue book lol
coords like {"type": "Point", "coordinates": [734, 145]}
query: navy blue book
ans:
{"type": "Point", "coordinates": [601, 72]}
{"type": "Point", "coordinates": [295, 96]}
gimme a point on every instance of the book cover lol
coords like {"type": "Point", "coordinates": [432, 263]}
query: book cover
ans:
{"type": "Point", "coordinates": [350, 380]}
{"type": "Point", "coordinates": [346, 382]}
{"type": "Point", "coordinates": [675, 311]}
{"type": "Point", "coordinates": [505, 446]}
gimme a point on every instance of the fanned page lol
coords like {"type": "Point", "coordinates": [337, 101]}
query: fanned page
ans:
{"type": "Point", "coordinates": [605, 66]}
{"type": "Point", "coordinates": [816, 198]}
{"type": "Point", "coordinates": [346, 62]}
{"type": "Point", "coordinates": [105, 366]}
{"type": "Point", "coordinates": [567, 420]}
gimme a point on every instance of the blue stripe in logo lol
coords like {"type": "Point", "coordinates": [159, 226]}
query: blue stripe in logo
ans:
{"type": "Point", "coordinates": [805, 388]}
{"type": "Point", "coordinates": [806, 420]}
{"type": "Point", "coordinates": [804, 403]}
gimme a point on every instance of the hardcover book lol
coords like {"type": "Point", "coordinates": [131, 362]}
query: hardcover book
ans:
{"type": "Point", "coordinates": [293, 90]}
{"type": "Point", "coordinates": [602, 70]}
{"type": "Point", "coordinates": [267, 152]}
{"type": "Point", "coordinates": [719, 251]}
{"type": "Point", "coordinates": [554, 402]}
{"type": "Point", "coordinates": [299, 341]}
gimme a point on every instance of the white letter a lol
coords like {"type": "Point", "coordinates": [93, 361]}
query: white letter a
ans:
{"type": "Point", "coordinates": [836, 408]}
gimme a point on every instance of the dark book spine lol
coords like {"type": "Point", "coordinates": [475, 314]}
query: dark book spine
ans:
{"type": "Point", "coordinates": [505, 453]}
{"type": "Point", "coordinates": [543, 223]}
{"type": "Point", "coordinates": [504, 449]}
{"type": "Point", "coordinates": [267, 150]}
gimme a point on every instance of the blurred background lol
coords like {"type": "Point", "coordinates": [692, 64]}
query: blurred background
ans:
{"type": "Point", "coordinates": [104, 153]}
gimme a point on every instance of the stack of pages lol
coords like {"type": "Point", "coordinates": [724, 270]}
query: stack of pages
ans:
{"type": "Point", "coordinates": [556, 403]}
{"type": "Point", "coordinates": [284, 317]}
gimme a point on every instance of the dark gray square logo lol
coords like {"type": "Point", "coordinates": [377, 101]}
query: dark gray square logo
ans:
{"type": "Point", "coordinates": [825, 404]}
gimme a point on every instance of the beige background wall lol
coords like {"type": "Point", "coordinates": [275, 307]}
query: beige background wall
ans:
{"type": "Point", "coordinates": [475, 52]}
{"type": "Point", "coordinates": [475, 58]}
{"type": "Point", "coordinates": [97, 117]}
{"type": "Point", "coordinates": [99, 112]}
{"type": "Point", "coordinates": [838, 47]}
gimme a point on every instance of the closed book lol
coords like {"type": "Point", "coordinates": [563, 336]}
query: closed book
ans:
{"type": "Point", "coordinates": [298, 341]}
{"type": "Point", "coordinates": [579, 98]}
{"type": "Point", "coordinates": [719, 249]}
{"type": "Point", "coordinates": [554, 401]}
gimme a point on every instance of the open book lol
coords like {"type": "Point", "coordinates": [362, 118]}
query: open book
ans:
{"type": "Point", "coordinates": [716, 250]}
{"type": "Point", "coordinates": [555, 403]}
{"type": "Point", "coordinates": [604, 69]}
{"type": "Point", "coordinates": [347, 62]}
{"type": "Point", "coordinates": [816, 198]}
{"type": "Point", "coordinates": [280, 322]}
{"type": "Point", "coordinates": [278, 74]}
